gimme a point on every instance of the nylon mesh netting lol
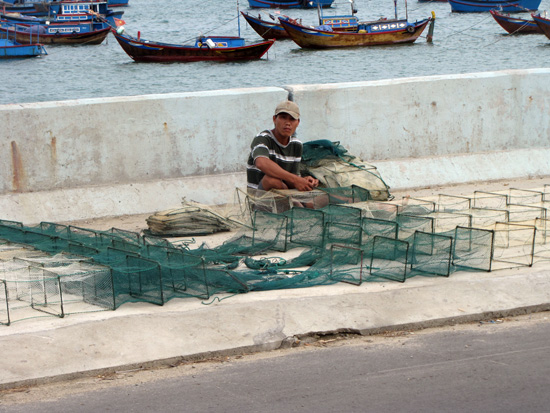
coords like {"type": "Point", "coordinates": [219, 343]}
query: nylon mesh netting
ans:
{"type": "Point", "coordinates": [56, 270]}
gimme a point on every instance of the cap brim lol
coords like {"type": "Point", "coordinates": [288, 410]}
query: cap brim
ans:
{"type": "Point", "coordinates": [293, 114]}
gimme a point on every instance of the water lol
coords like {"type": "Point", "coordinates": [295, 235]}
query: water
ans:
{"type": "Point", "coordinates": [463, 43]}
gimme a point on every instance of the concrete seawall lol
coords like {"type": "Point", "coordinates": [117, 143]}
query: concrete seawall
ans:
{"type": "Point", "coordinates": [112, 156]}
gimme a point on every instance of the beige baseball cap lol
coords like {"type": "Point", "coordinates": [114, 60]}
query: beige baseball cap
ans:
{"type": "Point", "coordinates": [288, 107]}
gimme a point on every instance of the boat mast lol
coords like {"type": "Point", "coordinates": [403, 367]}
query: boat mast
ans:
{"type": "Point", "coordinates": [353, 9]}
{"type": "Point", "coordinates": [395, 7]}
{"type": "Point", "coordinates": [238, 19]}
{"type": "Point", "coordinates": [319, 12]}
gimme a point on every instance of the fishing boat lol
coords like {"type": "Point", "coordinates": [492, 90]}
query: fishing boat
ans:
{"type": "Point", "coordinates": [11, 48]}
{"type": "Point", "coordinates": [31, 3]}
{"type": "Point", "coordinates": [62, 11]}
{"type": "Point", "coordinates": [213, 48]}
{"type": "Point", "coordinates": [274, 30]}
{"type": "Point", "coordinates": [266, 29]}
{"type": "Point", "coordinates": [379, 32]}
{"type": "Point", "coordinates": [118, 3]}
{"type": "Point", "coordinates": [289, 4]}
{"type": "Point", "coordinates": [543, 22]}
{"type": "Point", "coordinates": [508, 6]}
{"type": "Point", "coordinates": [516, 25]}
{"type": "Point", "coordinates": [66, 33]}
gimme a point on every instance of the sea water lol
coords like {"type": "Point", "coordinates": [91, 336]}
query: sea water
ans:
{"type": "Point", "coordinates": [462, 43]}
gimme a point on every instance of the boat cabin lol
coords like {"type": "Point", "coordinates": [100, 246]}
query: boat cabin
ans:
{"type": "Point", "coordinates": [219, 42]}
{"type": "Point", "coordinates": [340, 23]}
{"type": "Point", "coordinates": [383, 26]}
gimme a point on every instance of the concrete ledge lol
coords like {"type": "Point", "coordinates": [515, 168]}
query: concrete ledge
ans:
{"type": "Point", "coordinates": [114, 200]}
{"type": "Point", "coordinates": [145, 197]}
{"type": "Point", "coordinates": [465, 168]}
{"type": "Point", "coordinates": [144, 334]}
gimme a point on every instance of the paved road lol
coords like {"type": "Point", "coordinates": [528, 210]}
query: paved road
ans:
{"type": "Point", "coordinates": [499, 366]}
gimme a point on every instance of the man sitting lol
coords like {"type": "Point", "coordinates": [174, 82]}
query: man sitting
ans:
{"type": "Point", "coordinates": [275, 155]}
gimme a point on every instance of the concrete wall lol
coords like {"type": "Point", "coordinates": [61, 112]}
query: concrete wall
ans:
{"type": "Point", "coordinates": [111, 156]}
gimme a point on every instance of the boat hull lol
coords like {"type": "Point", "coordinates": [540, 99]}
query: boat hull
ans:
{"type": "Point", "coordinates": [289, 4]}
{"type": "Point", "coordinates": [543, 23]}
{"type": "Point", "coordinates": [507, 6]}
{"type": "Point", "coordinates": [266, 29]}
{"type": "Point", "coordinates": [307, 37]}
{"type": "Point", "coordinates": [515, 25]}
{"type": "Point", "coordinates": [72, 38]}
{"type": "Point", "coordinates": [10, 49]}
{"type": "Point", "coordinates": [153, 52]}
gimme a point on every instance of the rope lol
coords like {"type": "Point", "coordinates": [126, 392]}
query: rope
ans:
{"type": "Point", "coordinates": [211, 30]}
{"type": "Point", "coordinates": [219, 299]}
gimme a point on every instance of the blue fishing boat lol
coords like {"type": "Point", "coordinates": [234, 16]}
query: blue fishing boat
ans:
{"type": "Point", "coordinates": [118, 3]}
{"type": "Point", "coordinates": [10, 48]}
{"type": "Point", "coordinates": [274, 30]}
{"type": "Point", "coordinates": [30, 3]}
{"type": "Point", "coordinates": [507, 6]}
{"type": "Point", "coordinates": [205, 48]}
{"type": "Point", "coordinates": [516, 25]}
{"type": "Point", "coordinates": [265, 28]}
{"type": "Point", "coordinates": [68, 33]}
{"type": "Point", "coordinates": [543, 22]}
{"type": "Point", "coordinates": [289, 4]}
{"type": "Point", "coordinates": [66, 10]}
{"type": "Point", "coordinates": [70, 10]}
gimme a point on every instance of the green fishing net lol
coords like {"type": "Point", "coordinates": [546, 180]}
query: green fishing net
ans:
{"type": "Point", "coordinates": [344, 236]}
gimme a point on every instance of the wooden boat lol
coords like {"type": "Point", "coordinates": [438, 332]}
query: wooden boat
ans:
{"type": "Point", "coordinates": [508, 6]}
{"type": "Point", "coordinates": [215, 48]}
{"type": "Point", "coordinates": [516, 25]}
{"type": "Point", "coordinates": [274, 30]}
{"type": "Point", "coordinates": [266, 29]}
{"type": "Point", "coordinates": [12, 48]}
{"type": "Point", "coordinates": [31, 3]}
{"type": "Point", "coordinates": [289, 4]}
{"type": "Point", "coordinates": [118, 3]}
{"type": "Point", "coordinates": [379, 32]}
{"type": "Point", "coordinates": [543, 22]}
{"type": "Point", "coordinates": [58, 33]}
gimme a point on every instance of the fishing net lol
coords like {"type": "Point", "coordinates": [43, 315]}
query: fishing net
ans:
{"type": "Point", "coordinates": [334, 167]}
{"type": "Point", "coordinates": [278, 240]}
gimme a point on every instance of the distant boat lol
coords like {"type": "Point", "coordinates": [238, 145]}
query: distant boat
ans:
{"type": "Point", "coordinates": [265, 28]}
{"type": "Point", "coordinates": [21, 3]}
{"type": "Point", "coordinates": [289, 4]}
{"type": "Point", "coordinates": [543, 23]}
{"type": "Point", "coordinates": [379, 32]}
{"type": "Point", "coordinates": [274, 30]}
{"type": "Point", "coordinates": [516, 25]}
{"type": "Point", "coordinates": [92, 32]}
{"type": "Point", "coordinates": [117, 3]}
{"type": "Point", "coordinates": [11, 48]}
{"type": "Point", "coordinates": [508, 6]}
{"type": "Point", "coordinates": [205, 48]}
{"type": "Point", "coordinates": [66, 10]}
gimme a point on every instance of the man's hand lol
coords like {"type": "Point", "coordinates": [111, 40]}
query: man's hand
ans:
{"type": "Point", "coordinates": [312, 181]}
{"type": "Point", "coordinates": [305, 184]}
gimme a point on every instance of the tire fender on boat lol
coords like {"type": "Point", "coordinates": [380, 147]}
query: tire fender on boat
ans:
{"type": "Point", "coordinates": [411, 29]}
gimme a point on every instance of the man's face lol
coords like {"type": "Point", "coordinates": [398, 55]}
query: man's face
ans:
{"type": "Point", "coordinates": [285, 125]}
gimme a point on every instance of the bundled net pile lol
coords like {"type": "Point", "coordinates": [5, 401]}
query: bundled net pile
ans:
{"type": "Point", "coordinates": [342, 235]}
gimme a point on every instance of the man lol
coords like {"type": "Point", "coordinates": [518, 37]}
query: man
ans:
{"type": "Point", "coordinates": [275, 155]}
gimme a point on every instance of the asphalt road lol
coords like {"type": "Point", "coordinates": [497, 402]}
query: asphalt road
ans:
{"type": "Point", "coordinates": [495, 366]}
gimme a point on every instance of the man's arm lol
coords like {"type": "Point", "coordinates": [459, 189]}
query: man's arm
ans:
{"type": "Point", "coordinates": [270, 168]}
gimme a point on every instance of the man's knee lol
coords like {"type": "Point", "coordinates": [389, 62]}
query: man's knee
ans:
{"type": "Point", "coordinates": [268, 182]}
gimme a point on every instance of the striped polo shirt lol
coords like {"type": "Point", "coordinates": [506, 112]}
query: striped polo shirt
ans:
{"type": "Point", "coordinates": [266, 144]}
